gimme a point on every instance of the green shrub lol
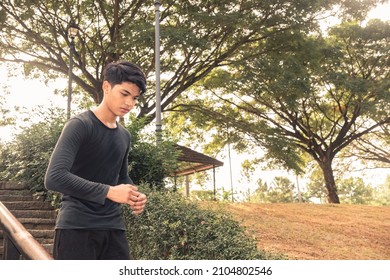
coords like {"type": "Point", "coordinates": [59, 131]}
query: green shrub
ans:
{"type": "Point", "coordinates": [150, 162]}
{"type": "Point", "coordinates": [172, 228]}
{"type": "Point", "coordinates": [26, 158]}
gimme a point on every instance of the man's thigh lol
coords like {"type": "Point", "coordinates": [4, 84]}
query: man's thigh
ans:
{"type": "Point", "coordinates": [80, 244]}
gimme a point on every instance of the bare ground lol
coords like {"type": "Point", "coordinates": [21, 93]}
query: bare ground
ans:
{"type": "Point", "coordinates": [317, 232]}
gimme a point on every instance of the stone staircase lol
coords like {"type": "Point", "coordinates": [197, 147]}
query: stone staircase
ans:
{"type": "Point", "coordinates": [36, 215]}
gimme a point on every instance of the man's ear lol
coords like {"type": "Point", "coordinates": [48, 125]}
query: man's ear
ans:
{"type": "Point", "coordinates": [106, 87]}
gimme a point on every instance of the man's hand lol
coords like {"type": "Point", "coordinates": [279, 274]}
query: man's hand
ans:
{"type": "Point", "coordinates": [139, 205]}
{"type": "Point", "coordinates": [128, 194]}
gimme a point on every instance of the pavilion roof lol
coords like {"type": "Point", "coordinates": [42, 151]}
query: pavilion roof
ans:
{"type": "Point", "coordinates": [193, 161]}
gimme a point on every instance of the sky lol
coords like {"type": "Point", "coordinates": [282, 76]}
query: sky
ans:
{"type": "Point", "coordinates": [29, 94]}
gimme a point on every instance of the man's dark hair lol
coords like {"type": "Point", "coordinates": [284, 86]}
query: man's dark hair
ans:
{"type": "Point", "coordinates": [123, 71]}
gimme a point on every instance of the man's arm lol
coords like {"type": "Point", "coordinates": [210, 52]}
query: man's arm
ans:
{"type": "Point", "coordinates": [58, 176]}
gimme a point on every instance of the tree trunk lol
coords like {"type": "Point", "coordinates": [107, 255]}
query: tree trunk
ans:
{"type": "Point", "coordinates": [330, 184]}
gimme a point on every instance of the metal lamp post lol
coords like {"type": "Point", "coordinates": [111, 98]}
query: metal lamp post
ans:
{"type": "Point", "coordinates": [157, 5]}
{"type": "Point", "coordinates": [72, 32]}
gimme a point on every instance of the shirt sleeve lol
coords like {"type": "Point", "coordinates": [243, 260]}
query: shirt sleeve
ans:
{"type": "Point", "coordinates": [58, 176]}
{"type": "Point", "coordinates": [124, 177]}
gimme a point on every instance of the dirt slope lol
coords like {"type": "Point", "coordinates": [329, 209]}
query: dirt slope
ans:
{"type": "Point", "coordinates": [318, 232]}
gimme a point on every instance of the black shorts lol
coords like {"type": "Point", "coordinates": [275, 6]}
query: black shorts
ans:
{"type": "Point", "coordinates": [85, 244]}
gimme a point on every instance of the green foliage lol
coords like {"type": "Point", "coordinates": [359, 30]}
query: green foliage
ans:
{"type": "Point", "coordinates": [352, 190]}
{"type": "Point", "coordinates": [26, 158]}
{"type": "Point", "coordinates": [311, 95]}
{"type": "Point", "coordinates": [5, 117]}
{"type": "Point", "coordinates": [172, 228]}
{"type": "Point", "coordinates": [281, 190]}
{"type": "Point", "coordinates": [260, 194]}
{"type": "Point", "coordinates": [149, 161]}
{"type": "Point", "coordinates": [196, 36]}
{"type": "Point", "coordinates": [316, 185]}
{"type": "Point", "coordinates": [203, 194]}
{"type": "Point", "coordinates": [355, 191]}
{"type": "Point", "coordinates": [382, 193]}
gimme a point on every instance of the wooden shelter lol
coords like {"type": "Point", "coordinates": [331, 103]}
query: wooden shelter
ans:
{"type": "Point", "coordinates": [193, 162]}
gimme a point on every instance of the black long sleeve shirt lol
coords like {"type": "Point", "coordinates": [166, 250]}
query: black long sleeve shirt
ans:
{"type": "Point", "coordinates": [88, 158]}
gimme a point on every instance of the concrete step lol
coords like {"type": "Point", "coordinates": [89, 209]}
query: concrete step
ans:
{"type": "Point", "coordinates": [12, 197]}
{"type": "Point", "coordinates": [38, 233]}
{"type": "Point", "coordinates": [42, 241]}
{"type": "Point", "coordinates": [48, 248]}
{"type": "Point", "coordinates": [12, 186]}
{"type": "Point", "coordinates": [35, 214]}
{"type": "Point", "coordinates": [46, 214]}
{"type": "Point", "coordinates": [37, 223]}
{"type": "Point", "coordinates": [28, 205]}
{"type": "Point", "coordinates": [15, 192]}
{"type": "Point", "coordinates": [43, 233]}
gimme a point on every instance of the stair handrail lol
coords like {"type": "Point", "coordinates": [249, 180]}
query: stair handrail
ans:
{"type": "Point", "coordinates": [26, 244]}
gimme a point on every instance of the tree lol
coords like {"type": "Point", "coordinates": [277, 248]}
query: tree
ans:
{"type": "Point", "coordinates": [354, 191]}
{"type": "Point", "coordinates": [281, 190]}
{"type": "Point", "coordinates": [313, 95]}
{"type": "Point", "coordinates": [197, 37]}
{"type": "Point", "coordinates": [382, 193]}
{"type": "Point", "coordinates": [316, 185]}
{"type": "Point", "coordinates": [5, 118]}
{"type": "Point", "coordinates": [372, 148]}
{"type": "Point", "coordinates": [260, 194]}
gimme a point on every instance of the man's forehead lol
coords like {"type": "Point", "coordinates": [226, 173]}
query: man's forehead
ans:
{"type": "Point", "coordinates": [130, 87]}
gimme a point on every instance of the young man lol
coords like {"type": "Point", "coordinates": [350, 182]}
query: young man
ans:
{"type": "Point", "coordinates": [89, 166]}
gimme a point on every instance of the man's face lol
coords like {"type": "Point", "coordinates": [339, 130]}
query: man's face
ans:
{"type": "Point", "coordinates": [121, 98]}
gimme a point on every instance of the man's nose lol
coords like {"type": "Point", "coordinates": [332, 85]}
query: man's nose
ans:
{"type": "Point", "coordinates": [130, 102]}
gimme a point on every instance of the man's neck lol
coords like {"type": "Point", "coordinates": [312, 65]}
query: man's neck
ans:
{"type": "Point", "coordinates": [105, 116]}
